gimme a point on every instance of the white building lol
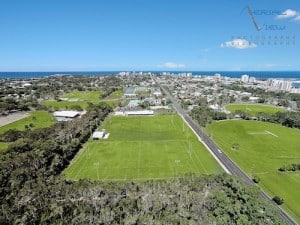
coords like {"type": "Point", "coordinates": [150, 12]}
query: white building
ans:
{"type": "Point", "coordinates": [252, 80]}
{"type": "Point", "coordinates": [66, 115]}
{"type": "Point", "coordinates": [140, 113]}
{"type": "Point", "coordinates": [245, 78]}
{"type": "Point", "coordinates": [282, 85]}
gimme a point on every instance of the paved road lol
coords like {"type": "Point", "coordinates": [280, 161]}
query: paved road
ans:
{"type": "Point", "coordinates": [222, 158]}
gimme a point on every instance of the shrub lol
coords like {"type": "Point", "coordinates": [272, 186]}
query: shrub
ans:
{"type": "Point", "coordinates": [278, 200]}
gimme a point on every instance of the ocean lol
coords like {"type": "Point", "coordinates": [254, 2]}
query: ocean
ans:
{"type": "Point", "coordinates": [262, 75]}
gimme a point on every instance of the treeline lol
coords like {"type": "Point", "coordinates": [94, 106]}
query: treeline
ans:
{"type": "Point", "coordinates": [17, 104]}
{"type": "Point", "coordinates": [205, 115]}
{"type": "Point", "coordinates": [288, 119]}
{"type": "Point", "coordinates": [291, 167]}
{"type": "Point", "coordinates": [38, 154]}
{"type": "Point", "coordinates": [192, 200]}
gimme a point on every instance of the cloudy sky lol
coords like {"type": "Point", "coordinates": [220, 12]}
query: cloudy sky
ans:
{"type": "Point", "coordinates": [81, 35]}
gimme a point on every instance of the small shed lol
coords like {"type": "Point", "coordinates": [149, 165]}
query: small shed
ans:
{"type": "Point", "coordinates": [97, 135]}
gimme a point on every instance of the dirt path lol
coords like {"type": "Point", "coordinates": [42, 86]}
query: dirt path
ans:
{"type": "Point", "coordinates": [4, 120]}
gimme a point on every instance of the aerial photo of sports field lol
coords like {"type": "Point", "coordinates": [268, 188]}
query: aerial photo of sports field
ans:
{"type": "Point", "coordinates": [260, 149]}
{"type": "Point", "coordinates": [254, 109]}
{"type": "Point", "coordinates": [143, 147]}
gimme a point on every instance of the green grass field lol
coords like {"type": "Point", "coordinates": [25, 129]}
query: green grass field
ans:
{"type": "Point", "coordinates": [39, 119]}
{"type": "Point", "coordinates": [83, 97]}
{"type": "Point", "coordinates": [253, 109]}
{"type": "Point", "coordinates": [115, 95]}
{"type": "Point", "coordinates": [65, 104]}
{"type": "Point", "coordinates": [139, 148]}
{"type": "Point", "coordinates": [262, 149]}
{"type": "Point", "coordinates": [93, 96]}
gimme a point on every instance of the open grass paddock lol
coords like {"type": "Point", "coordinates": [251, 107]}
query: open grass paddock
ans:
{"type": "Point", "coordinates": [93, 96]}
{"type": "Point", "coordinates": [253, 109]}
{"type": "Point", "coordinates": [142, 147]}
{"type": "Point", "coordinates": [81, 98]}
{"type": "Point", "coordinates": [39, 119]}
{"type": "Point", "coordinates": [261, 148]}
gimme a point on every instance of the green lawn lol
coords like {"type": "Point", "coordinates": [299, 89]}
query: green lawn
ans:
{"type": "Point", "coordinates": [39, 119]}
{"type": "Point", "coordinates": [253, 109]}
{"type": "Point", "coordinates": [81, 98]}
{"type": "Point", "coordinates": [93, 96]}
{"type": "Point", "coordinates": [65, 104]}
{"type": "Point", "coordinates": [262, 149]}
{"type": "Point", "coordinates": [115, 95]}
{"type": "Point", "coordinates": [139, 148]}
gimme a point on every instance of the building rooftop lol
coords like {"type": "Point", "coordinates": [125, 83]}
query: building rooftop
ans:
{"type": "Point", "coordinates": [67, 114]}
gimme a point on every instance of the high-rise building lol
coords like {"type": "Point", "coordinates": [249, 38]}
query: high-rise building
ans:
{"type": "Point", "coordinates": [282, 85]}
{"type": "Point", "coordinates": [245, 78]}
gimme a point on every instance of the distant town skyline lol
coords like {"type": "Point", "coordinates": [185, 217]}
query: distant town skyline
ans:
{"type": "Point", "coordinates": [133, 35]}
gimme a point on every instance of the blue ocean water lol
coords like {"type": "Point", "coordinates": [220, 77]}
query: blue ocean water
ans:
{"type": "Point", "coordinates": [295, 75]}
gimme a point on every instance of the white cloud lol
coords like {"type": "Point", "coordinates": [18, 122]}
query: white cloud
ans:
{"type": "Point", "coordinates": [289, 13]}
{"type": "Point", "coordinates": [239, 44]}
{"type": "Point", "coordinates": [297, 18]}
{"type": "Point", "coordinates": [172, 65]}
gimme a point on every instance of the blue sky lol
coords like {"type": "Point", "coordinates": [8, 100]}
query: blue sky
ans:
{"type": "Point", "coordinates": [93, 35]}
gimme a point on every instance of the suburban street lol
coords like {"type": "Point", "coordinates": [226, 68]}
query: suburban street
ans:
{"type": "Point", "coordinates": [227, 164]}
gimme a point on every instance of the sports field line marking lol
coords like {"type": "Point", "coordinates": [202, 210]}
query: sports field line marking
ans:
{"type": "Point", "coordinates": [81, 166]}
{"type": "Point", "coordinates": [271, 133]}
{"type": "Point", "coordinates": [172, 166]}
{"type": "Point", "coordinates": [292, 176]}
{"type": "Point", "coordinates": [196, 159]}
{"type": "Point", "coordinates": [139, 159]}
{"type": "Point", "coordinates": [205, 145]}
{"type": "Point", "coordinates": [191, 167]}
{"type": "Point", "coordinates": [76, 162]}
{"type": "Point", "coordinates": [286, 157]}
{"type": "Point", "coordinates": [142, 178]}
{"type": "Point", "coordinates": [254, 133]}
{"type": "Point", "coordinates": [262, 173]}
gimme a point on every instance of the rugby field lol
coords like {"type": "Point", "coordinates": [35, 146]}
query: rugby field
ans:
{"type": "Point", "coordinates": [253, 109]}
{"type": "Point", "coordinates": [142, 147]}
{"type": "Point", "coordinates": [82, 98]}
{"type": "Point", "coordinates": [260, 148]}
{"type": "Point", "coordinates": [39, 119]}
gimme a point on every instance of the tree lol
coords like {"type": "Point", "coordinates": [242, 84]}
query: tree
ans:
{"type": "Point", "coordinates": [245, 99]}
{"type": "Point", "coordinates": [278, 200]}
{"type": "Point", "coordinates": [256, 179]}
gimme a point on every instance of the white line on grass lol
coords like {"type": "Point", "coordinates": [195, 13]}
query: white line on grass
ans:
{"type": "Point", "coordinates": [139, 159]}
{"type": "Point", "coordinates": [258, 173]}
{"type": "Point", "coordinates": [81, 167]}
{"type": "Point", "coordinates": [210, 151]}
{"type": "Point", "coordinates": [255, 133]}
{"type": "Point", "coordinates": [73, 167]}
{"type": "Point", "coordinates": [192, 168]}
{"type": "Point", "coordinates": [292, 176]}
{"type": "Point", "coordinates": [199, 160]}
{"type": "Point", "coordinates": [271, 133]}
